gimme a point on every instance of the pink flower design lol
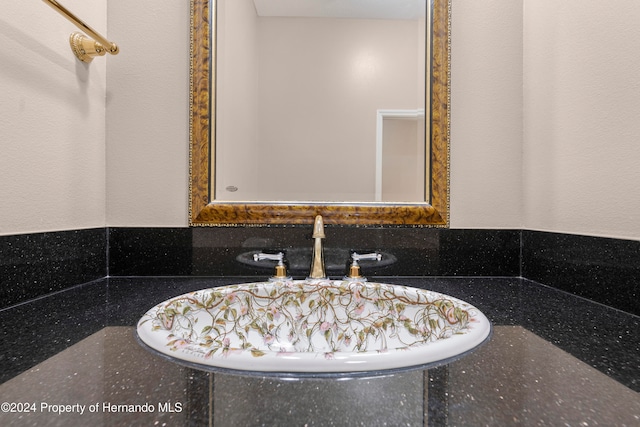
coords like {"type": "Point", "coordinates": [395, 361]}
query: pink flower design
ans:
{"type": "Point", "coordinates": [359, 308]}
{"type": "Point", "coordinates": [268, 339]}
{"type": "Point", "coordinates": [325, 326]}
{"type": "Point", "coordinates": [329, 356]}
{"type": "Point", "coordinates": [167, 321]}
{"type": "Point", "coordinates": [181, 343]}
{"type": "Point", "coordinates": [451, 315]}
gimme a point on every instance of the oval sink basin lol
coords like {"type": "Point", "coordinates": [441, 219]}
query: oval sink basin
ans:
{"type": "Point", "coordinates": [310, 326]}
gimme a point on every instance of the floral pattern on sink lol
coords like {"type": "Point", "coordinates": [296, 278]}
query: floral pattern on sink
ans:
{"type": "Point", "coordinates": [325, 319]}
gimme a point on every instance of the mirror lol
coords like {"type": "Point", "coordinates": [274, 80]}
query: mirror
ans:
{"type": "Point", "coordinates": [348, 184]}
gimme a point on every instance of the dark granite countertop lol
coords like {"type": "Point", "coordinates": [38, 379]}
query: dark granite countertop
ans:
{"type": "Point", "coordinates": [553, 359]}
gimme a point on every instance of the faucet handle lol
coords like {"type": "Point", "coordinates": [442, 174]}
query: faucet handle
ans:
{"type": "Point", "coordinates": [354, 268]}
{"type": "Point", "coordinates": [355, 257]}
{"type": "Point", "coordinates": [261, 256]}
{"type": "Point", "coordinates": [281, 269]}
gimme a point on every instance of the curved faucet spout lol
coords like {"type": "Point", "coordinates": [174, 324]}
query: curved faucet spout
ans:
{"type": "Point", "coordinates": [317, 259]}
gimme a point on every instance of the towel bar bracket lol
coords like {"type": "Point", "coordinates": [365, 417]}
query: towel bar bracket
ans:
{"type": "Point", "coordinates": [84, 48]}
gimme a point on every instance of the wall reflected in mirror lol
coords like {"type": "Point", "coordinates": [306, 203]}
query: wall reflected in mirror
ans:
{"type": "Point", "coordinates": [320, 101]}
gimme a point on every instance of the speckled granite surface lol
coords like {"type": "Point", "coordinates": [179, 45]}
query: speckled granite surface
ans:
{"type": "Point", "coordinates": [601, 269]}
{"type": "Point", "coordinates": [32, 265]}
{"type": "Point", "coordinates": [554, 359]}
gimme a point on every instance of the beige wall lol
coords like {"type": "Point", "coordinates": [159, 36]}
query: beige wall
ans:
{"type": "Point", "coordinates": [301, 94]}
{"type": "Point", "coordinates": [582, 117]}
{"type": "Point", "coordinates": [486, 114]}
{"type": "Point", "coordinates": [237, 85]}
{"type": "Point", "coordinates": [148, 114]}
{"type": "Point", "coordinates": [329, 126]}
{"type": "Point", "coordinates": [52, 127]}
{"type": "Point", "coordinates": [566, 162]}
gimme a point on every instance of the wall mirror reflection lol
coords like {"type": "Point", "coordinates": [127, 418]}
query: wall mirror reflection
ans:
{"type": "Point", "coordinates": [316, 107]}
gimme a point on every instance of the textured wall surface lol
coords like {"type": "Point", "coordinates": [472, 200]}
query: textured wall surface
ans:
{"type": "Point", "coordinates": [148, 114]}
{"type": "Point", "coordinates": [581, 90]}
{"type": "Point", "coordinates": [147, 141]}
{"type": "Point", "coordinates": [544, 98]}
{"type": "Point", "coordinates": [52, 129]}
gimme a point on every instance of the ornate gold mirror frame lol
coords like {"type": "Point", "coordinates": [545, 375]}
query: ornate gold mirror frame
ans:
{"type": "Point", "coordinates": [205, 212]}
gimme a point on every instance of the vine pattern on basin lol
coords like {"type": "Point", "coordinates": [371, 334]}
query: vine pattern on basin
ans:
{"type": "Point", "coordinates": [323, 317]}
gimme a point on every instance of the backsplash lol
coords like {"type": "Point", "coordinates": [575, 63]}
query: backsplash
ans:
{"type": "Point", "coordinates": [32, 265]}
{"type": "Point", "coordinates": [600, 269]}
{"type": "Point", "coordinates": [604, 270]}
{"type": "Point", "coordinates": [213, 251]}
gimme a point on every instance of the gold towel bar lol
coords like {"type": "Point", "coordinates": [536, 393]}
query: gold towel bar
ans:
{"type": "Point", "coordinates": [83, 47]}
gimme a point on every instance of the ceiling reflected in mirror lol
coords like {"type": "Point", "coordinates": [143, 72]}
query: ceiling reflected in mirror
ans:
{"type": "Point", "coordinates": [359, 9]}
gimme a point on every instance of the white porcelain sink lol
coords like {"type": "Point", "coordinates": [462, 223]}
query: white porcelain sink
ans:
{"type": "Point", "coordinates": [313, 326]}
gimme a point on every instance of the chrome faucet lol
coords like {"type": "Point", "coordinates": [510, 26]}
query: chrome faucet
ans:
{"type": "Point", "coordinates": [354, 268]}
{"type": "Point", "coordinates": [281, 269]}
{"type": "Point", "coordinates": [317, 258]}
